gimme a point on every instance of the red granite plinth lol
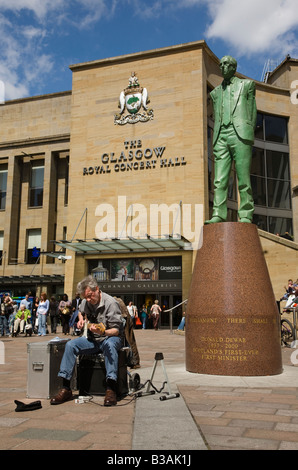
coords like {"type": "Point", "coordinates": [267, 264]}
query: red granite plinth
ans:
{"type": "Point", "coordinates": [232, 322]}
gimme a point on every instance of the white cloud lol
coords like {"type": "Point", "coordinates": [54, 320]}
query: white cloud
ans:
{"type": "Point", "coordinates": [24, 64]}
{"type": "Point", "coordinates": [21, 58]}
{"type": "Point", "coordinates": [14, 90]}
{"type": "Point", "coordinates": [93, 10]}
{"type": "Point", "coordinates": [158, 8]}
{"type": "Point", "coordinates": [39, 7]}
{"type": "Point", "coordinates": [30, 32]}
{"type": "Point", "coordinates": [254, 26]}
{"type": "Point", "coordinates": [41, 67]}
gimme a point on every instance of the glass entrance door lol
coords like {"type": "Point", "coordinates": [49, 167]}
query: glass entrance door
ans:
{"type": "Point", "coordinates": [177, 312]}
{"type": "Point", "coordinates": [164, 316]}
{"type": "Point", "coordinates": [167, 302]}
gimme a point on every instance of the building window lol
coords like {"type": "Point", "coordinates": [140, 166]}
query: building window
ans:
{"type": "Point", "coordinates": [272, 128]}
{"type": "Point", "coordinates": [36, 184]}
{"type": "Point", "coordinates": [276, 129]}
{"type": "Point", "coordinates": [33, 245]}
{"type": "Point", "coordinates": [270, 175]}
{"type": "Point", "coordinates": [3, 186]}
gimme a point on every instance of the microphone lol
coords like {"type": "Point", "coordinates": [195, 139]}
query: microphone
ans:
{"type": "Point", "coordinates": [168, 397]}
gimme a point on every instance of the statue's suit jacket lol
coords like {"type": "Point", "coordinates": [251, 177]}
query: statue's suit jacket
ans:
{"type": "Point", "coordinates": [243, 108]}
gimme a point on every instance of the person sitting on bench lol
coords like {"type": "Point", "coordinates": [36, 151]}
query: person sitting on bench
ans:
{"type": "Point", "coordinates": [105, 335]}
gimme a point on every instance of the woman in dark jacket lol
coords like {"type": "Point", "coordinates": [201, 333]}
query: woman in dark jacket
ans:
{"type": "Point", "coordinates": [65, 313]}
{"type": "Point", "coordinates": [54, 314]}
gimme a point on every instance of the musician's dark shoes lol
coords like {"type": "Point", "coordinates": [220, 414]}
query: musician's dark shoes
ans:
{"type": "Point", "coordinates": [63, 396]}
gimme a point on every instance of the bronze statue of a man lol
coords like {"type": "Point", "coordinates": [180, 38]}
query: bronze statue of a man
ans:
{"type": "Point", "coordinates": [235, 116]}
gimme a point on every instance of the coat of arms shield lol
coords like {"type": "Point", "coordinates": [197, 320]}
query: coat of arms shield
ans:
{"type": "Point", "coordinates": [133, 98]}
{"type": "Point", "coordinates": [133, 102]}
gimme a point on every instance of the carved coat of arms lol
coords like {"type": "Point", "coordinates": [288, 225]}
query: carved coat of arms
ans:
{"type": "Point", "coordinates": [133, 99]}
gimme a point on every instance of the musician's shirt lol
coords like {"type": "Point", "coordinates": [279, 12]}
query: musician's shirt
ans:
{"type": "Point", "coordinates": [107, 312]}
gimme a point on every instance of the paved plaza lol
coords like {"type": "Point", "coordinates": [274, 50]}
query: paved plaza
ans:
{"type": "Point", "coordinates": [211, 413]}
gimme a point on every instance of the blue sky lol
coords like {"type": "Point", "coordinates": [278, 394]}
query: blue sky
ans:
{"type": "Point", "coordinates": [41, 38]}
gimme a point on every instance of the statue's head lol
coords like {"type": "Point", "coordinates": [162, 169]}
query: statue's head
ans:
{"type": "Point", "coordinates": [228, 67]}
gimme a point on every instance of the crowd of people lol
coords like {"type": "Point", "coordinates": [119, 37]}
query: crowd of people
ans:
{"type": "Point", "coordinates": [36, 315]}
{"type": "Point", "coordinates": [290, 288]}
{"type": "Point", "coordinates": [148, 317]}
{"type": "Point", "coordinates": [39, 315]}
{"type": "Point", "coordinates": [291, 294]}
{"type": "Point", "coordinates": [286, 235]}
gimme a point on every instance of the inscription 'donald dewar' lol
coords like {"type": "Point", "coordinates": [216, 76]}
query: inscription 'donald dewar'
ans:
{"type": "Point", "coordinates": [227, 348]}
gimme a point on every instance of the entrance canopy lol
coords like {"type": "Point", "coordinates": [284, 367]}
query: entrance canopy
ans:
{"type": "Point", "coordinates": [126, 245]}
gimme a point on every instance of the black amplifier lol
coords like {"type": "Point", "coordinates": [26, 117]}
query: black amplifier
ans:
{"type": "Point", "coordinates": [91, 375]}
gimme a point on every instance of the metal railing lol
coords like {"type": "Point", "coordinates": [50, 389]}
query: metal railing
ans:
{"type": "Point", "coordinates": [171, 313]}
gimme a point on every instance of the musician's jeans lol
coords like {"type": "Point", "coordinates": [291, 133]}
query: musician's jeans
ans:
{"type": "Point", "coordinates": [109, 347]}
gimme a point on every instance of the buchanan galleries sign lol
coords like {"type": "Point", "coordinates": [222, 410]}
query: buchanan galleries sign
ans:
{"type": "Point", "coordinates": [134, 157]}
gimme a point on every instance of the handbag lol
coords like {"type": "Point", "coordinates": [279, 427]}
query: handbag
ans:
{"type": "Point", "coordinates": [138, 321]}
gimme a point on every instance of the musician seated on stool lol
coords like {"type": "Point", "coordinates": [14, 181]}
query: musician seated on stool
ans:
{"type": "Point", "coordinates": [105, 335]}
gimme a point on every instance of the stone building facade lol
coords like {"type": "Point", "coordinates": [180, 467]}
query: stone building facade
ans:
{"type": "Point", "coordinates": [115, 176]}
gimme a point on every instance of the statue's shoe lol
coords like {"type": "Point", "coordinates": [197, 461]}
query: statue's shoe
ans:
{"type": "Point", "coordinates": [214, 220]}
